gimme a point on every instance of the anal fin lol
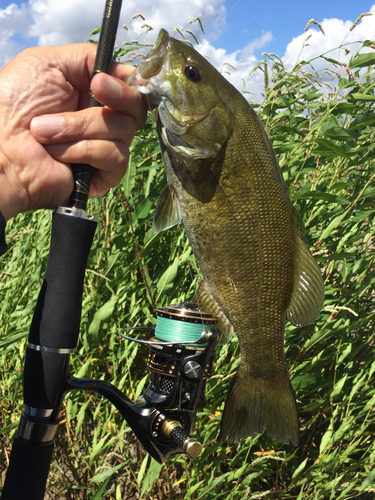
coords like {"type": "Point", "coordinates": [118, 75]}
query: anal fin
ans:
{"type": "Point", "coordinates": [208, 303]}
{"type": "Point", "coordinates": [308, 288]}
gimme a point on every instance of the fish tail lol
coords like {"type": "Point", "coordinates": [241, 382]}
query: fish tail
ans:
{"type": "Point", "coordinates": [255, 404]}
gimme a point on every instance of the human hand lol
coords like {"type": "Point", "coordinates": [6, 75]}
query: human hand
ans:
{"type": "Point", "coordinates": [44, 126]}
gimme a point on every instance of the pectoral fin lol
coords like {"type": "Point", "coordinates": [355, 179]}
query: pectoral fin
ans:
{"type": "Point", "coordinates": [208, 303]}
{"type": "Point", "coordinates": [167, 212]}
{"type": "Point", "coordinates": [308, 288]}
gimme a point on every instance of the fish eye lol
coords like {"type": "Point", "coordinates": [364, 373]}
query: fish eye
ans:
{"type": "Point", "coordinates": [193, 73]}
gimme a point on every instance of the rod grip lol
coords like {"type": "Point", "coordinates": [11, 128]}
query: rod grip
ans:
{"type": "Point", "coordinates": [28, 470]}
{"type": "Point", "coordinates": [57, 314]}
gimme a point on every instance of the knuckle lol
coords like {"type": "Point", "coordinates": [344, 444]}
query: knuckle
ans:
{"type": "Point", "coordinates": [120, 154]}
{"type": "Point", "coordinates": [76, 124]}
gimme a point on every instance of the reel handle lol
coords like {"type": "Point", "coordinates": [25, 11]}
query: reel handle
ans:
{"type": "Point", "coordinates": [172, 429]}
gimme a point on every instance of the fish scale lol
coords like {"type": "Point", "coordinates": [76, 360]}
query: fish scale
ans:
{"type": "Point", "coordinates": [224, 182]}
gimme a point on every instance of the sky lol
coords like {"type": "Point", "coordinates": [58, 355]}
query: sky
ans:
{"type": "Point", "coordinates": [236, 31]}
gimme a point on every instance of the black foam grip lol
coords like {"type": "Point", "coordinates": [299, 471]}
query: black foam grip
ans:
{"type": "Point", "coordinates": [28, 470]}
{"type": "Point", "coordinates": [57, 314]}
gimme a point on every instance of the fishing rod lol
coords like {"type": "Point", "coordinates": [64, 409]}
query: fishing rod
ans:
{"type": "Point", "coordinates": [181, 354]}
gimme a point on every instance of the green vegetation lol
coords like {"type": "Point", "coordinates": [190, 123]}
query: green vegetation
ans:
{"type": "Point", "coordinates": [324, 142]}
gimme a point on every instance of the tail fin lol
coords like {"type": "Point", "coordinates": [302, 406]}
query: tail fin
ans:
{"type": "Point", "coordinates": [256, 404]}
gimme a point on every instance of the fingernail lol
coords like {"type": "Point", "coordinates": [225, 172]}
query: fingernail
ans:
{"type": "Point", "coordinates": [112, 88]}
{"type": "Point", "coordinates": [47, 125]}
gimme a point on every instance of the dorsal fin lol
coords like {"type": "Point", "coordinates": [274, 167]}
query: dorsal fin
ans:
{"type": "Point", "coordinates": [308, 288]}
{"type": "Point", "coordinates": [167, 213]}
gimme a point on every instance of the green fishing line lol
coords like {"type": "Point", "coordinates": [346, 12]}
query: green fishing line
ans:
{"type": "Point", "coordinates": [171, 330]}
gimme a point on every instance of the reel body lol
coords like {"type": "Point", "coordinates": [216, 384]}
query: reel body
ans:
{"type": "Point", "coordinates": [179, 371]}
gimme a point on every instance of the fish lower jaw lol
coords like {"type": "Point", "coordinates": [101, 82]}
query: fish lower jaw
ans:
{"type": "Point", "coordinates": [144, 87]}
{"type": "Point", "coordinates": [149, 92]}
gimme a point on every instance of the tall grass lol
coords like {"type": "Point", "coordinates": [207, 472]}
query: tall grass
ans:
{"type": "Point", "coordinates": [324, 142]}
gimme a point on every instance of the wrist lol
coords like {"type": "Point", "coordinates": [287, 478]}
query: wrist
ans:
{"type": "Point", "coordinates": [9, 198]}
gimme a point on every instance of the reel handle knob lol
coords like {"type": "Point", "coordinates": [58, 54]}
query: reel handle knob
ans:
{"type": "Point", "coordinates": [172, 429]}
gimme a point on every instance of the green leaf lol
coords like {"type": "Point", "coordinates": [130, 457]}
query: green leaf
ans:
{"type": "Point", "coordinates": [363, 120]}
{"type": "Point", "coordinates": [151, 476]}
{"type": "Point", "coordinates": [368, 481]}
{"type": "Point", "coordinates": [344, 108]}
{"type": "Point", "coordinates": [300, 495]}
{"type": "Point", "coordinates": [212, 484]}
{"type": "Point", "coordinates": [362, 60]}
{"type": "Point", "coordinates": [102, 476]}
{"type": "Point", "coordinates": [140, 385]}
{"type": "Point", "coordinates": [328, 230]}
{"type": "Point", "coordinates": [299, 470]}
{"type": "Point", "coordinates": [339, 386]}
{"type": "Point", "coordinates": [196, 486]}
{"type": "Point", "coordinates": [149, 236]}
{"type": "Point", "coordinates": [99, 493]}
{"type": "Point", "coordinates": [142, 210]}
{"type": "Point", "coordinates": [333, 147]}
{"type": "Point", "coordinates": [362, 97]}
{"type": "Point", "coordinates": [333, 61]}
{"type": "Point", "coordinates": [327, 437]}
{"type": "Point", "coordinates": [83, 370]}
{"type": "Point", "coordinates": [81, 416]}
{"type": "Point", "coordinates": [128, 180]}
{"type": "Point", "coordinates": [319, 195]}
{"type": "Point", "coordinates": [310, 96]}
{"type": "Point", "coordinates": [13, 338]}
{"type": "Point", "coordinates": [96, 31]}
{"type": "Point", "coordinates": [166, 281]}
{"type": "Point", "coordinates": [101, 316]}
{"type": "Point", "coordinates": [341, 134]}
{"type": "Point", "coordinates": [142, 469]}
{"type": "Point", "coordinates": [346, 424]}
{"type": "Point", "coordinates": [98, 448]}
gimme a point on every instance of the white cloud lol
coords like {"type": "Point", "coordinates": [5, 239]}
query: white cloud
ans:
{"type": "Point", "coordinates": [13, 19]}
{"type": "Point", "coordinates": [59, 22]}
{"type": "Point", "coordinates": [337, 32]}
{"type": "Point", "coordinates": [56, 22]}
{"type": "Point", "coordinates": [257, 43]}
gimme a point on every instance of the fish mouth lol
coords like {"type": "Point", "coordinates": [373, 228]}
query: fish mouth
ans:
{"type": "Point", "coordinates": [152, 69]}
{"type": "Point", "coordinates": [161, 46]}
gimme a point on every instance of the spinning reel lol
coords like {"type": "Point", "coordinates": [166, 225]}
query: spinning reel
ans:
{"type": "Point", "coordinates": [181, 355]}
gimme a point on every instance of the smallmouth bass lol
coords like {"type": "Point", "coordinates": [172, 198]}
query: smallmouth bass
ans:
{"type": "Point", "coordinates": [225, 183]}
